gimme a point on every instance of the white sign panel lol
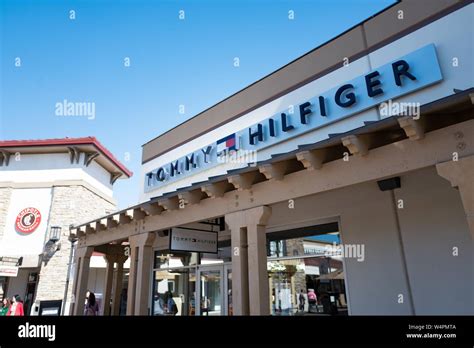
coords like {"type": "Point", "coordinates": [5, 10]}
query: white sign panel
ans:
{"type": "Point", "coordinates": [26, 223]}
{"type": "Point", "coordinates": [8, 271]}
{"type": "Point", "coordinates": [193, 241]}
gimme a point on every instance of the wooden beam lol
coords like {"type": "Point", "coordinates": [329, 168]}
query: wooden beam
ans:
{"type": "Point", "coordinates": [103, 222]}
{"type": "Point", "coordinates": [170, 203]}
{"type": "Point", "coordinates": [116, 218]}
{"type": "Point", "coordinates": [312, 159]}
{"type": "Point", "coordinates": [242, 181]}
{"type": "Point", "coordinates": [215, 190]}
{"type": "Point", "coordinates": [190, 197]}
{"type": "Point", "coordinates": [138, 214]}
{"type": "Point", "coordinates": [414, 129]}
{"type": "Point", "coordinates": [113, 221]}
{"type": "Point", "coordinates": [98, 225]}
{"type": "Point", "coordinates": [389, 160]}
{"type": "Point", "coordinates": [356, 144]}
{"type": "Point", "coordinates": [152, 208]}
{"type": "Point", "coordinates": [274, 171]}
{"type": "Point", "coordinates": [81, 231]}
{"type": "Point", "coordinates": [73, 233]}
{"type": "Point", "coordinates": [126, 217]}
{"type": "Point", "coordinates": [129, 213]}
{"type": "Point", "coordinates": [90, 228]}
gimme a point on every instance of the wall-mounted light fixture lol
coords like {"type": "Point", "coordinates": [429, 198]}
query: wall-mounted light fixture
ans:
{"type": "Point", "coordinates": [54, 233]}
{"type": "Point", "coordinates": [52, 244]}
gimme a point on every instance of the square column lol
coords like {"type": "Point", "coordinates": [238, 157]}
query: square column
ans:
{"type": "Point", "coordinates": [113, 286]}
{"type": "Point", "coordinates": [117, 285]}
{"type": "Point", "coordinates": [250, 290]}
{"type": "Point", "coordinates": [109, 276]}
{"type": "Point", "coordinates": [259, 300]}
{"type": "Point", "coordinates": [461, 175]}
{"type": "Point", "coordinates": [132, 276]}
{"type": "Point", "coordinates": [140, 273]}
{"type": "Point", "coordinates": [83, 257]}
{"type": "Point", "coordinates": [240, 279]}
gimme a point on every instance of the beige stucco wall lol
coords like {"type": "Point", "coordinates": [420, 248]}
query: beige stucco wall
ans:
{"type": "Point", "coordinates": [365, 217]}
{"type": "Point", "coordinates": [432, 222]}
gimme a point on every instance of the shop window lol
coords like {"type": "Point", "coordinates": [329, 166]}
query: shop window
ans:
{"type": "Point", "coordinates": [306, 276]}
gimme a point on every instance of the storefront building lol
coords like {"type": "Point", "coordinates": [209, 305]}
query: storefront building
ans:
{"type": "Point", "coordinates": [339, 184]}
{"type": "Point", "coordinates": [45, 185]}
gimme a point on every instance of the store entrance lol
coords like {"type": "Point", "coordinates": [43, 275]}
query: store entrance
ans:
{"type": "Point", "coordinates": [192, 284]}
{"type": "Point", "coordinates": [214, 290]}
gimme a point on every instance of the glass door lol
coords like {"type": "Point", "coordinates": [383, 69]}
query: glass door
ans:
{"type": "Point", "coordinates": [214, 290]}
{"type": "Point", "coordinates": [210, 291]}
{"type": "Point", "coordinates": [174, 287]}
{"type": "Point", "coordinates": [228, 289]}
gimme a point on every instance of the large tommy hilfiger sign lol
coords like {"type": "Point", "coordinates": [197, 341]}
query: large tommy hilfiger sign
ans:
{"type": "Point", "coordinates": [407, 74]}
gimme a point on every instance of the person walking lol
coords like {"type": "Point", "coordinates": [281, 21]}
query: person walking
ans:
{"type": "Point", "coordinates": [16, 308]}
{"type": "Point", "coordinates": [312, 300]}
{"type": "Point", "coordinates": [6, 303]}
{"type": "Point", "coordinates": [302, 301]}
{"type": "Point", "coordinates": [91, 306]}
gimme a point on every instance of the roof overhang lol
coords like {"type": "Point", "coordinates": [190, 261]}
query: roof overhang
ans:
{"type": "Point", "coordinates": [444, 112]}
{"type": "Point", "coordinates": [90, 146]}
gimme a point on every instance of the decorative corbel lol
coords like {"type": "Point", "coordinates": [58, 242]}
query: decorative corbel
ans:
{"type": "Point", "coordinates": [313, 159]}
{"type": "Point", "coordinates": [215, 190]}
{"type": "Point", "coordinates": [356, 144]}
{"type": "Point", "coordinates": [89, 156]}
{"type": "Point", "coordinates": [274, 171]}
{"type": "Point", "coordinates": [414, 129]}
{"type": "Point", "coordinates": [190, 197]}
{"type": "Point", "coordinates": [242, 181]}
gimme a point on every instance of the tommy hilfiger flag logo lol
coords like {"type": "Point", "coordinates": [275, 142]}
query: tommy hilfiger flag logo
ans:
{"type": "Point", "coordinates": [227, 144]}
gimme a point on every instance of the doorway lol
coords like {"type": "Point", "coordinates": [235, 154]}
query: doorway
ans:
{"type": "Point", "coordinates": [30, 291]}
{"type": "Point", "coordinates": [198, 290]}
{"type": "Point", "coordinates": [214, 290]}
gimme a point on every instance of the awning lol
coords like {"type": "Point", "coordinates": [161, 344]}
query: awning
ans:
{"type": "Point", "coordinates": [441, 113]}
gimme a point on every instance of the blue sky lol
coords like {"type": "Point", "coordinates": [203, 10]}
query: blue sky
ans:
{"type": "Point", "coordinates": [173, 62]}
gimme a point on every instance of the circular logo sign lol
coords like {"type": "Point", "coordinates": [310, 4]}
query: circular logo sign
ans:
{"type": "Point", "coordinates": [28, 220]}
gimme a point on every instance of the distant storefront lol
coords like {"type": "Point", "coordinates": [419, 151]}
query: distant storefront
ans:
{"type": "Point", "coordinates": [45, 185]}
{"type": "Point", "coordinates": [340, 184]}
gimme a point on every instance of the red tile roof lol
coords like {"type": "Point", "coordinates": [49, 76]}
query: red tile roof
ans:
{"type": "Point", "coordinates": [68, 141]}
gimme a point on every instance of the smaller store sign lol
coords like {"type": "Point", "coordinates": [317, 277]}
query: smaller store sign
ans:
{"type": "Point", "coordinates": [28, 220]}
{"type": "Point", "coordinates": [193, 241]}
{"type": "Point", "coordinates": [8, 271]}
